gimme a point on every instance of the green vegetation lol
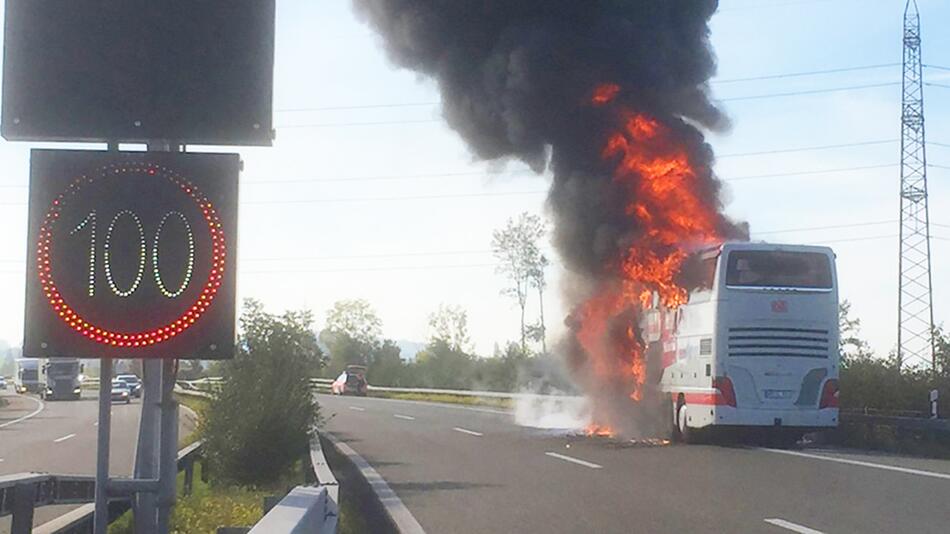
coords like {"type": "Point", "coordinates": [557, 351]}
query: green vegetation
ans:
{"type": "Point", "coordinates": [207, 508]}
{"type": "Point", "coordinates": [872, 384]}
{"type": "Point", "coordinates": [869, 382]}
{"type": "Point", "coordinates": [259, 424]}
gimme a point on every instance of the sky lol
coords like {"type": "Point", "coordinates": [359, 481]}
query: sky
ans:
{"type": "Point", "coordinates": [360, 199]}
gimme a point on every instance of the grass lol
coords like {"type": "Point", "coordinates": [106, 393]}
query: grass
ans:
{"type": "Point", "coordinates": [206, 509]}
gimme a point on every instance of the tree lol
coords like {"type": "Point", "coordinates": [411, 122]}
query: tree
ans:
{"type": "Point", "coordinates": [853, 348]}
{"type": "Point", "coordinates": [259, 424]}
{"type": "Point", "coordinates": [387, 367]}
{"type": "Point", "coordinates": [352, 334]}
{"type": "Point", "coordinates": [516, 248]}
{"type": "Point", "coordinates": [450, 325]}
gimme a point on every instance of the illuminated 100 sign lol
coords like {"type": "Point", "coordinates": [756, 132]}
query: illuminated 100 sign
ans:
{"type": "Point", "coordinates": [131, 254]}
{"type": "Point", "coordinates": [89, 224]}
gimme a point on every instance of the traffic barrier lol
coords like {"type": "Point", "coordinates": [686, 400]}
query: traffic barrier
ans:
{"type": "Point", "coordinates": [21, 493]}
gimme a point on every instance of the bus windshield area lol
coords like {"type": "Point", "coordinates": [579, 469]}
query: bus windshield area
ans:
{"type": "Point", "coordinates": [774, 268]}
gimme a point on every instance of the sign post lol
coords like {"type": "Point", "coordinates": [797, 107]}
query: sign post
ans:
{"type": "Point", "coordinates": [132, 256]}
{"type": "Point", "coordinates": [934, 394]}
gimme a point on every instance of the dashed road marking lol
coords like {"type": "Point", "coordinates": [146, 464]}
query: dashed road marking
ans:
{"type": "Point", "coordinates": [406, 417]}
{"type": "Point", "coordinates": [27, 416]}
{"type": "Point", "coordinates": [907, 470]}
{"type": "Point", "coordinates": [357, 409]}
{"type": "Point", "coordinates": [469, 432]}
{"type": "Point", "coordinates": [574, 460]}
{"type": "Point", "coordinates": [788, 525]}
{"type": "Point", "coordinates": [64, 438]}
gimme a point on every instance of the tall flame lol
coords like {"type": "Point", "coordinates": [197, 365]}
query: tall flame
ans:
{"type": "Point", "coordinates": [664, 193]}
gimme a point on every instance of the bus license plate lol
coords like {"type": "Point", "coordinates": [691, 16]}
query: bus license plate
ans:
{"type": "Point", "coordinates": [778, 394]}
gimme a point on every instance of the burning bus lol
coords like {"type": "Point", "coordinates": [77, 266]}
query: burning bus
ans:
{"type": "Point", "coordinates": [755, 344]}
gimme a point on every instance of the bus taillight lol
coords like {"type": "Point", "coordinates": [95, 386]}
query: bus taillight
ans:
{"type": "Point", "coordinates": [829, 394]}
{"type": "Point", "coordinates": [726, 391]}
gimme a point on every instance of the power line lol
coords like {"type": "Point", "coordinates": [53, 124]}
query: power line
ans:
{"type": "Point", "coordinates": [817, 228]}
{"type": "Point", "coordinates": [810, 92]}
{"type": "Point", "coordinates": [806, 149]}
{"type": "Point", "coordinates": [372, 256]}
{"type": "Point", "coordinates": [934, 143]}
{"type": "Point", "coordinates": [357, 106]}
{"type": "Point", "coordinates": [938, 67]}
{"type": "Point", "coordinates": [809, 173]}
{"type": "Point", "coordinates": [372, 269]}
{"type": "Point", "coordinates": [381, 199]}
{"type": "Point", "coordinates": [932, 84]}
{"type": "Point", "coordinates": [730, 99]}
{"type": "Point", "coordinates": [348, 124]}
{"type": "Point", "coordinates": [385, 177]}
{"type": "Point", "coordinates": [805, 73]}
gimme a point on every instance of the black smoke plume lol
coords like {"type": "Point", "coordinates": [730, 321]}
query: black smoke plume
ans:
{"type": "Point", "coordinates": [517, 78]}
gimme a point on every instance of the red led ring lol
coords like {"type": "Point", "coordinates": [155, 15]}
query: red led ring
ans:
{"type": "Point", "coordinates": [148, 337]}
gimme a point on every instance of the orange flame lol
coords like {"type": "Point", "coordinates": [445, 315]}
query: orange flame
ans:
{"type": "Point", "coordinates": [665, 194]}
{"type": "Point", "coordinates": [601, 431]}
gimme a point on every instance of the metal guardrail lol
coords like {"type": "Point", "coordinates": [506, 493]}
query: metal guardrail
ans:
{"type": "Point", "coordinates": [21, 493]}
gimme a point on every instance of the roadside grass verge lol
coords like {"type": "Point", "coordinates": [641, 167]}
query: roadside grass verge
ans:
{"type": "Point", "coordinates": [890, 439]}
{"type": "Point", "coordinates": [206, 509]}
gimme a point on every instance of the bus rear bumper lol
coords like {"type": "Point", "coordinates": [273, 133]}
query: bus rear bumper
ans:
{"type": "Point", "coordinates": [729, 416]}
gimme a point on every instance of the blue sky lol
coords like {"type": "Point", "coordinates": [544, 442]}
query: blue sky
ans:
{"type": "Point", "coordinates": [412, 240]}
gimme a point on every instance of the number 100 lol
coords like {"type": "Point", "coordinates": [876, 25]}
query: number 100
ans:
{"type": "Point", "coordinates": [89, 223]}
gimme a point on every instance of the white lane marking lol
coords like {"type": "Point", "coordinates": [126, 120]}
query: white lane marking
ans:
{"type": "Point", "coordinates": [29, 415]}
{"type": "Point", "coordinates": [96, 423]}
{"type": "Point", "coordinates": [469, 432]}
{"type": "Point", "coordinates": [357, 408]}
{"type": "Point", "coordinates": [1, 460]}
{"type": "Point", "coordinates": [788, 525]}
{"type": "Point", "coordinates": [907, 470]}
{"type": "Point", "coordinates": [406, 417]}
{"type": "Point", "coordinates": [573, 460]}
{"type": "Point", "coordinates": [436, 404]}
{"type": "Point", "coordinates": [405, 522]}
{"type": "Point", "coordinates": [64, 438]}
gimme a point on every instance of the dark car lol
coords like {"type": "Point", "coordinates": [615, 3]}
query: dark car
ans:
{"type": "Point", "coordinates": [351, 382]}
{"type": "Point", "coordinates": [135, 385]}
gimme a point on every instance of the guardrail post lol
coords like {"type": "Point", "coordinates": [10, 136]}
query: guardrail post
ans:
{"type": "Point", "coordinates": [24, 497]}
{"type": "Point", "coordinates": [189, 476]}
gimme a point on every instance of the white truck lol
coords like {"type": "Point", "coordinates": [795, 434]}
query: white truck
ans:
{"type": "Point", "coordinates": [756, 345]}
{"type": "Point", "coordinates": [60, 379]}
{"type": "Point", "coordinates": [26, 377]}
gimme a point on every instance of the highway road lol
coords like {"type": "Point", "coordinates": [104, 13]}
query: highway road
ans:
{"type": "Point", "coordinates": [472, 470]}
{"type": "Point", "coordinates": [60, 437]}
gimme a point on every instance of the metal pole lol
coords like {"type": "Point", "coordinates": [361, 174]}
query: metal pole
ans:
{"type": "Point", "coordinates": [102, 453]}
{"type": "Point", "coordinates": [146, 453]}
{"type": "Point", "coordinates": [168, 448]}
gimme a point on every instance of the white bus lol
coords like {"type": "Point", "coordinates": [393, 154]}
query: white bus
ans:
{"type": "Point", "coordinates": [756, 345]}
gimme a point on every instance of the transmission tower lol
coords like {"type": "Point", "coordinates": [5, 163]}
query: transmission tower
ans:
{"type": "Point", "coordinates": [915, 296]}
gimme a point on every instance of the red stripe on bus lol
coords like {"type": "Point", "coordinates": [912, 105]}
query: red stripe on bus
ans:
{"type": "Point", "coordinates": [707, 399]}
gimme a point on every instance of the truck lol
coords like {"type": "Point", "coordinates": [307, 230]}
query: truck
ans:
{"type": "Point", "coordinates": [26, 377]}
{"type": "Point", "coordinates": [61, 379]}
{"type": "Point", "coordinates": [756, 346]}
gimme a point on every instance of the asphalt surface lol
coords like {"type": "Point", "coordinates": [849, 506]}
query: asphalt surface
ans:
{"type": "Point", "coordinates": [461, 470]}
{"type": "Point", "coordinates": [61, 439]}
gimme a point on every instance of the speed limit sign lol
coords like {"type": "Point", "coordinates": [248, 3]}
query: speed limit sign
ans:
{"type": "Point", "coordinates": [131, 255]}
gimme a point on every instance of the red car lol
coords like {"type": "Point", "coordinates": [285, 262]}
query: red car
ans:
{"type": "Point", "coordinates": [351, 382]}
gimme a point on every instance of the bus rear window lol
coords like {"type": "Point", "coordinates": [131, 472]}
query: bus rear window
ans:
{"type": "Point", "coordinates": [772, 268]}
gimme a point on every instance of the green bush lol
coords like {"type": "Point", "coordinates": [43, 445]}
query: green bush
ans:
{"type": "Point", "coordinates": [260, 423]}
